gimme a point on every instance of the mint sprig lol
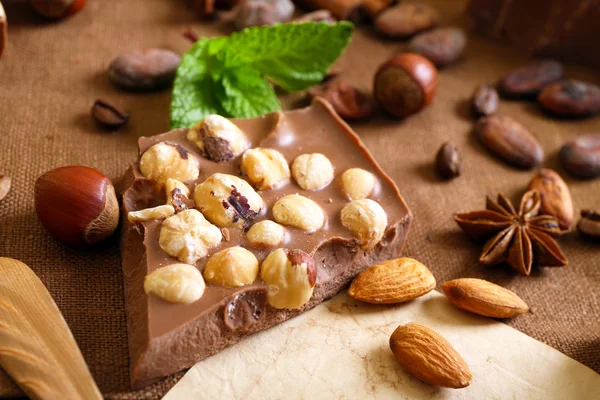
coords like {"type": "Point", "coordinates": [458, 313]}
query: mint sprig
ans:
{"type": "Point", "coordinates": [228, 75]}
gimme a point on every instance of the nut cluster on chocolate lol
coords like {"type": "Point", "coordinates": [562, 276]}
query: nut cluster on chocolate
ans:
{"type": "Point", "coordinates": [196, 214]}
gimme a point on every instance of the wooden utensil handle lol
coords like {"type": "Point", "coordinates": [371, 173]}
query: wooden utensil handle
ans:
{"type": "Point", "coordinates": [37, 348]}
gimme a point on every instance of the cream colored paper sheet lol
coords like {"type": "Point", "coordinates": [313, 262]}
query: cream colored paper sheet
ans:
{"type": "Point", "coordinates": [339, 350]}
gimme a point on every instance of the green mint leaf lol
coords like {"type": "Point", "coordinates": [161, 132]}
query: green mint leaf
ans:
{"type": "Point", "coordinates": [295, 56]}
{"type": "Point", "coordinates": [245, 93]}
{"type": "Point", "coordinates": [226, 75]}
{"type": "Point", "coordinates": [193, 89]}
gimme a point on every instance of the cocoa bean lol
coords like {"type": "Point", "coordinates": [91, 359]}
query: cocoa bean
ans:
{"type": "Point", "coordinates": [144, 69]}
{"type": "Point", "coordinates": [529, 80]}
{"type": "Point", "coordinates": [262, 12]}
{"type": "Point", "coordinates": [442, 46]}
{"type": "Point", "coordinates": [510, 141]}
{"type": "Point", "coordinates": [406, 20]}
{"type": "Point", "coordinates": [581, 157]}
{"type": "Point", "coordinates": [348, 101]}
{"type": "Point", "coordinates": [555, 194]}
{"type": "Point", "coordinates": [571, 98]}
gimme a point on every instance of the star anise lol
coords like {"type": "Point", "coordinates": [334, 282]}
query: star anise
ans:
{"type": "Point", "coordinates": [520, 239]}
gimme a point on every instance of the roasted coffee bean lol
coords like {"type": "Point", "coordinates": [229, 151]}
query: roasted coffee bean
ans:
{"type": "Point", "coordinates": [509, 140]}
{"type": "Point", "coordinates": [108, 115]}
{"type": "Point", "coordinates": [448, 161]}
{"type": "Point", "coordinates": [405, 20]}
{"type": "Point", "coordinates": [144, 69]}
{"type": "Point", "coordinates": [262, 12]}
{"type": "Point", "coordinates": [349, 102]}
{"type": "Point", "coordinates": [571, 98]}
{"type": "Point", "coordinates": [581, 157]}
{"type": "Point", "coordinates": [589, 224]}
{"type": "Point", "coordinates": [529, 80]}
{"type": "Point", "coordinates": [485, 100]}
{"type": "Point", "coordinates": [442, 46]}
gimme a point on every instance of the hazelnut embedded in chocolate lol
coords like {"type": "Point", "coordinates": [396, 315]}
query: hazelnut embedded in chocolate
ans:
{"type": "Point", "coordinates": [227, 201]}
{"type": "Point", "coordinates": [291, 276]}
{"type": "Point", "coordinates": [219, 139]}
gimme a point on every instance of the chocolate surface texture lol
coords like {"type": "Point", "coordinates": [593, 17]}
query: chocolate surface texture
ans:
{"type": "Point", "coordinates": [165, 337]}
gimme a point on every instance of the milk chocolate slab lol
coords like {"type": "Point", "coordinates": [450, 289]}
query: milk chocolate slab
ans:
{"type": "Point", "coordinates": [164, 337]}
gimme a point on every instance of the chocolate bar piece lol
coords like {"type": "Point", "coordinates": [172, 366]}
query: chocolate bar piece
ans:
{"type": "Point", "coordinates": [167, 337]}
{"type": "Point", "coordinates": [565, 29]}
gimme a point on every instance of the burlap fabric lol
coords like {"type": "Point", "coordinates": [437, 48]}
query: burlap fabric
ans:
{"type": "Point", "coordinates": [51, 74]}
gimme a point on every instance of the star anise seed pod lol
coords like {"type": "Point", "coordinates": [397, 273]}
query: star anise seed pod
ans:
{"type": "Point", "coordinates": [519, 238]}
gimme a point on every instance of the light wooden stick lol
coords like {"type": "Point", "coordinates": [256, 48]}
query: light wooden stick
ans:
{"type": "Point", "coordinates": [37, 348]}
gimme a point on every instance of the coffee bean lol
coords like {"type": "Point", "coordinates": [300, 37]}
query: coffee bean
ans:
{"type": "Point", "coordinates": [581, 157]}
{"type": "Point", "coordinates": [144, 69]}
{"type": "Point", "coordinates": [405, 20]}
{"type": "Point", "coordinates": [448, 161]}
{"type": "Point", "coordinates": [442, 46]}
{"type": "Point", "coordinates": [108, 115]}
{"type": "Point", "coordinates": [510, 141]}
{"type": "Point", "coordinates": [529, 80]}
{"type": "Point", "coordinates": [485, 100]}
{"type": "Point", "coordinates": [571, 98]}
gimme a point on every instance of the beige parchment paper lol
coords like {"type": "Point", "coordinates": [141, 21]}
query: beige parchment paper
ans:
{"type": "Point", "coordinates": [339, 350]}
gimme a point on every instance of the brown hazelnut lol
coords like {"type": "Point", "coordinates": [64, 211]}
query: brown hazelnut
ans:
{"type": "Point", "coordinates": [3, 30]}
{"type": "Point", "coordinates": [76, 204]}
{"type": "Point", "coordinates": [405, 84]}
{"type": "Point", "coordinates": [57, 9]}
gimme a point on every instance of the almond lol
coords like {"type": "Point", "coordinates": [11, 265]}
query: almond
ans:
{"type": "Point", "coordinates": [484, 298]}
{"type": "Point", "coordinates": [428, 356]}
{"type": "Point", "coordinates": [392, 281]}
{"type": "Point", "coordinates": [556, 198]}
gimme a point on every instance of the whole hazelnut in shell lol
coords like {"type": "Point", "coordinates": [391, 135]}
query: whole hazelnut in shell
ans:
{"type": "Point", "coordinates": [405, 84]}
{"type": "Point", "coordinates": [77, 205]}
